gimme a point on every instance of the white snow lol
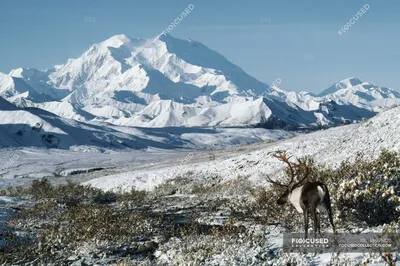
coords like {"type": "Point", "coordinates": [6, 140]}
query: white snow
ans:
{"type": "Point", "coordinates": [167, 81]}
{"type": "Point", "coordinates": [148, 111]}
{"type": "Point", "coordinates": [36, 162]}
{"type": "Point", "coordinates": [149, 168]}
{"type": "Point", "coordinates": [327, 146]}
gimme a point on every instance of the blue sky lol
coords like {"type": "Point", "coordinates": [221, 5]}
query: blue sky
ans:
{"type": "Point", "coordinates": [296, 41]}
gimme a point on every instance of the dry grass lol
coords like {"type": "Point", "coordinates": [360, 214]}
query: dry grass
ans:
{"type": "Point", "coordinates": [67, 217]}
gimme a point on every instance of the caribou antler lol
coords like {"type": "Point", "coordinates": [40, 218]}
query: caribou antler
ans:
{"type": "Point", "coordinates": [283, 156]}
{"type": "Point", "coordinates": [302, 163]}
{"type": "Point", "coordinates": [274, 182]}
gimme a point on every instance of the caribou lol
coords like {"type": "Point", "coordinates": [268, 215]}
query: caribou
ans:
{"type": "Point", "coordinates": [308, 198]}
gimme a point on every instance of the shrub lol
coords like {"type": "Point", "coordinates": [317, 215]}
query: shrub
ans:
{"type": "Point", "coordinates": [69, 194]}
{"type": "Point", "coordinates": [52, 233]}
{"type": "Point", "coordinates": [362, 190]}
{"type": "Point", "coordinates": [41, 189]}
{"type": "Point", "coordinates": [105, 197]}
{"type": "Point", "coordinates": [133, 195]}
{"type": "Point", "coordinates": [365, 190]}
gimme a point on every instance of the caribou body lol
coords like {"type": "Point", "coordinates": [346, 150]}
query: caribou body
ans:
{"type": "Point", "coordinates": [308, 198]}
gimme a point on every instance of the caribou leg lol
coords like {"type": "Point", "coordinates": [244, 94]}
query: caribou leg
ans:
{"type": "Point", "coordinates": [315, 219]}
{"type": "Point", "coordinates": [329, 209]}
{"type": "Point", "coordinates": [319, 222]}
{"type": "Point", "coordinates": [305, 211]}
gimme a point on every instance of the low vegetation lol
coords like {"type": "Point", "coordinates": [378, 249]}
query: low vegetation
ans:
{"type": "Point", "coordinates": [363, 190]}
{"type": "Point", "coordinates": [62, 218]}
{"type": "Point", "coordinates": [176, 223]}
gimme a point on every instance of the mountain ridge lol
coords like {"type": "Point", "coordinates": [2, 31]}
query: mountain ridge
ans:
{"type": "Point", "coordinates": [123, 80]}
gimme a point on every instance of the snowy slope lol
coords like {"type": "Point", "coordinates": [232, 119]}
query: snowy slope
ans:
{"type": "Point", "coordinates": [327, 146]}
{"type": "Point", "coordinates": [38, 80]}
{"type": "Point", "coordinates": [35, 127]}
{"type": "Point", "coordinates": [167, 81]}
{"type": "Point", "coordinates": [39, 128]}
{"type": "Point", "coordinates": [17, 87]}
{"type": "Point", "coordinates": [194, 63]}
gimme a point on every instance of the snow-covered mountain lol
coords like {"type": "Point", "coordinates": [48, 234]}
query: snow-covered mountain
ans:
{"type": "Point", "coordinates": [16, 87]}
{"type": "Point", "coordinates": [362, 94]}
{"type": "Point", "coordinates": [34, 127]}
{"type": "Point", "coordinates": [39, 128]}
{"type": "Point", "coordinates": [166, 82]}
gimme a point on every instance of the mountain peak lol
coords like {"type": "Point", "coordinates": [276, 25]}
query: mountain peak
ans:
{"type": "Point", "coordinates": [169, 39]}
{"type": "Point", "coordinates": [117, 41]}
{"type": "Point", "coordinates": [167, 81]}
{"type": "Point", "coordinates": [352, 81]}
{"type": "Point", "coordinates": [16, 72]}
{"type": "Point", "coordinates": [343, 84]}
{"type": "Point", "coordinates": [29, 73]}
{"type": "Point", "coordinates": [165, 37]}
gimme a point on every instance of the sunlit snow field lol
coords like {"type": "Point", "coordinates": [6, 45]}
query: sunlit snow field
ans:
{"type": "Point", "coordinates": [145, 169]}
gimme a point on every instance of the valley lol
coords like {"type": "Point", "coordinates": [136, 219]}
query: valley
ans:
{"type": "Point", "coordinates": [175, 196]}
{"type": "Point", "coordinates": [156, 151]}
